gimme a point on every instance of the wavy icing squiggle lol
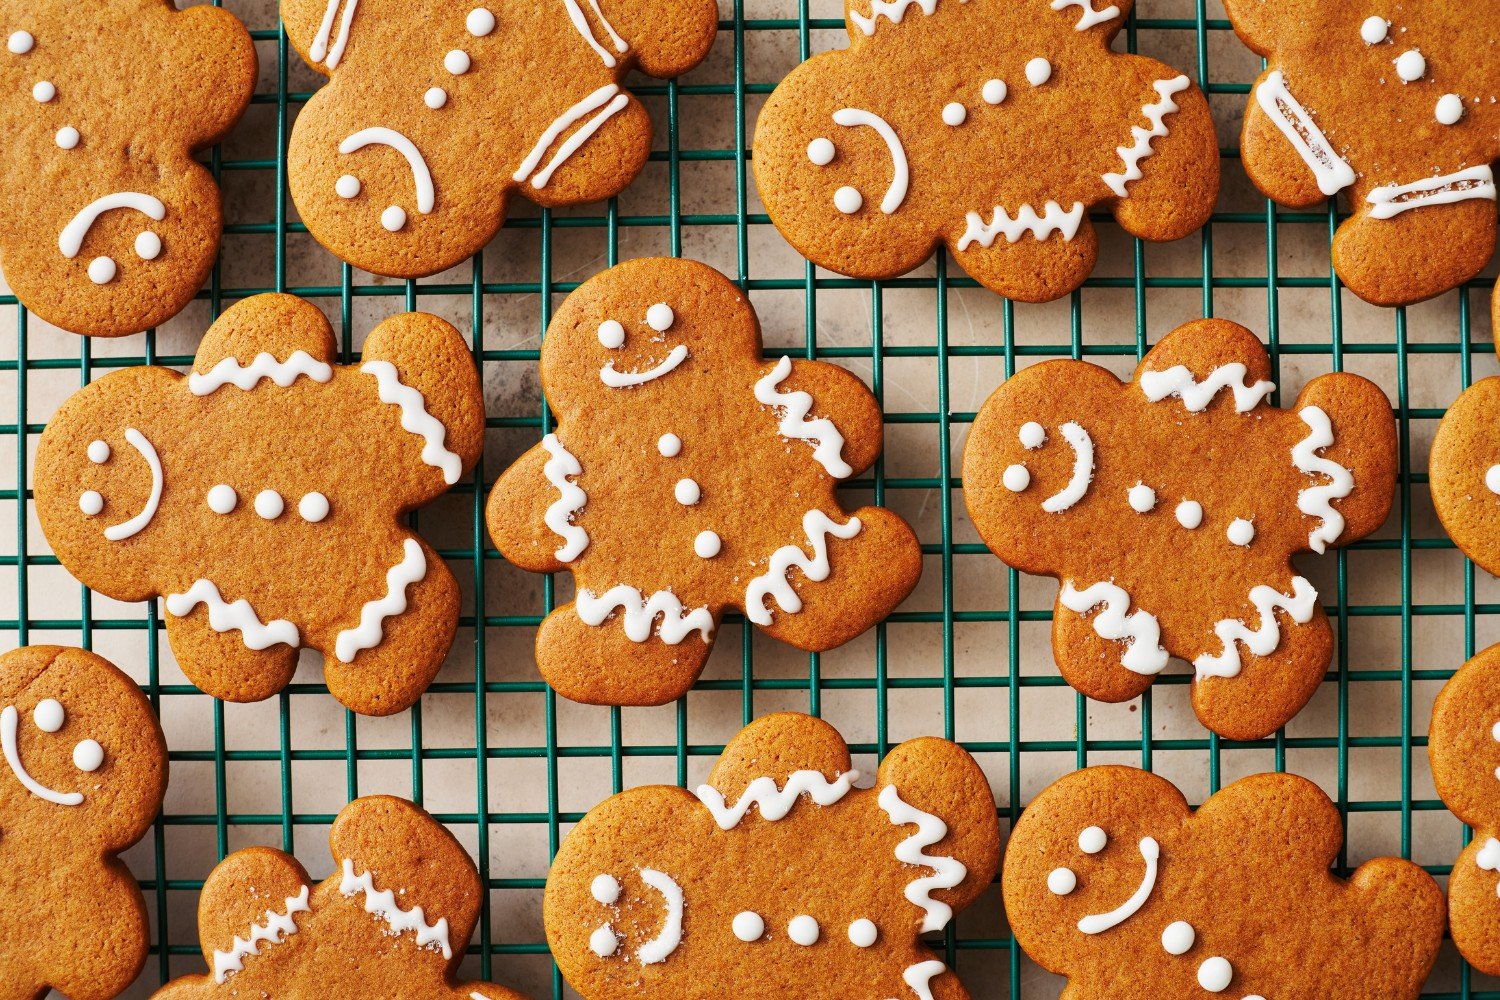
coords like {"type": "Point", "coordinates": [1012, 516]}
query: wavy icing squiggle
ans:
{"type": "Point", "coordinates": [230, 372]}
{"type": "Point", "coordinates": [1052, 220]}
{"type": "Point", "coordinates": [773, 582]}
{"type": "Point", "coordinates": [383, 904]}
{"type": "Point", "coordinates": [1263, 641]}
{"type": "Point", "coordinates": [1140, 631]}
{"type": "Point", "coordinates": [274, 929]}
{"type": "Point", "coordinates": [1156, 114]}
{"type": "Point", "coordinates": [920, 976]}
{"type": "Point", "coordinates": [828, 443]}
{"type": "Point", "coordinates": [236, 617]}
{"type": "Point", "coordinates": [891, 10]}
{"type": "Point", "coordinates": [775, 802]}
{"type": "Point", "coordinates": [1088, 17]}
{"type": "Point", "coordinates": [641, 612]}
{"type": "Point", "coordinates": [947, 872]}
{"type": "Point", "coordinates": [1179, 381]}
{"type": "Point", "coordinates": [559, 516]}
{"type": "Point", "coordinates": [1316, 501]}
{"type": "Point", "coordinates": [370, 631]}
{"type": "Point", "coordinates": [415, 419]}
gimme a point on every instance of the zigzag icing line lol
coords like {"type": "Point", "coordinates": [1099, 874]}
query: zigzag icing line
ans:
{"type": "Point", "coordinates": [1316, 501]}
{"type": "Point", "coordinates": [773, 582]}
{"type": "Point", "coordinates": [641, 613]}
{"type": "Point", "coordinates": [272, 930]}
{"type": "Point", "coordinates": [370, 631]}
{"type": "Point", "coordinates": [230, 372]}
{"type": "Point", "coordinates": [1088, 16]}
{"type": "Point", "coordinates": [892, 10]}
{"type": "Point", "coordinates": [1140, 631]}
{"type": "Point", "coordinates": [775, 802]}
{"type": "Point", "coordinates": [1264, 639]}
{"type": "Point", "coordinates": [383, 904]}
{"type": "Point", "coordinates": [238, 616]}
{"type": "Point", "coordinates": [559, 516]}
{"type": "Point", "coordinates": [920, 976]}
{"type": "Point", "coordinates": [1179, 381]}
{"type": "Point", "coordinates": [821, 433]}
{"type": "Point", "coordinates": [947, 872]}
{"type": "Point", "coordinates": [1156, 114]}
{"type": "Point", "coordinates": [1052, 220]}
{"type": "Point", "coordinates": [415, 419]}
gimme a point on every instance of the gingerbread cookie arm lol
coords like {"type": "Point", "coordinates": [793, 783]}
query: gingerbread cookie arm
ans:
{"type": "Point", "coordinates": [1305, 826]}
{"type": "Point", "coordinates": [213, 97]}
{"type": "Point", "coordinates": [1091, 664]}
{"type": "Point", "coordinates": [1257, 23]}
{"type": "Point", "coordinates": [275, 324]}
{"type": "Point", "coordinates": [582, 660]}
{"type": "Point", "coordinates": [1463, 453]}
{"type": "Point", "coordinates": [1350, 449]}
{"type": "Point", "coordinates": [666, 38]}
{"type": "Point", "coordinates": [779, 745]}
{"type": "Point", "coordinates": [1415, 255]}
{"type": "Point", "coordinates": [116, 915]}
{"type": "Point", "coordinates": [252, 900]}
{"type": "Point", "coordinates": [532, 507]}
{"type": "Point", "coordinates": [838, 395]}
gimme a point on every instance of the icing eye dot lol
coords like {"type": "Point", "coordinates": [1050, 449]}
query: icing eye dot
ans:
{"type": "Point", "coordinates": [993, 92]}
{"type": "Point", "coordinates": [748, 926]}
{"type": "Point", "coordinates": [1178, 937]}
{"type": "Point", "coordinates": [848, 200]}
{"type": "Point", "coordinates": [803, 930]}
{"type": "Point", "coordinates": [605, 889]}
{"type": "Point", "coordinates": [20, 42]}
{"type": "Point", "coordinates": [67, 137]}
{"type": "Point", "coordinates": [1495, 732]}
{"type": "Point", "coordinates": [457, 62]}
{"type": "Point", "coordinates": [49, 715]}
{"type": "Point", "coordinates": [707, 545]}
{"type": "Point", "coordinates": [88, 755]}
{"type": "Point", "coordinates": [611, 334]}
{"type": "Point", "coordinates": [1241, 532]}
{"type": "Point", "coordinates": [313, 507]}
{"type": "Point", "coordinates": [954, 114]}
{"type": "Point", "coordinates": [1214, 974]}
{"type": "Point", "coordinates": [1190, 514]}
{"type": "Point", "coordinates": [669, 445]}
{"type": "Point", "coordinates": [1038, 71]}
{"type": "Point", "coordinates": [393, 218]}
{"type": "Point", "coordinates": [222, 499]}
{"type": "Point", "coordinates": [1450, 108]}
{"type": "Point", "coordinates": [90, 502]}
{"type": "Point", "coordinates": [820, 151]}
{"type": "Point", "coordinates": [1411, 66]}
{"type": "Point", "coordinates": [269, 505]}
{"type": "Point", "coordinates": [147, 245]}
{"type": "Point", "coordinates": [862, 933]}
{"type": "Point", "coordinates": [98, 452]}
{"type": "Point", "coordinates": [1374, 30]}
{"type": "Point", "coordinates": [1061, 881]}
{"type": "Point", "coordinates": [1142, 498]}
{"type": "Point", "coordinates": [1016, 478]}
{"type": "Point", "coordinates": [435, 97]}
{"type": "Point", "coordinates": [1033, 435]}
{"type": "Point", "coordinates": [1492, 480]}
{"type": "Point", "coordinates": [480, 22]}
{"type": "Point", "coordinates": [44, 91]}
{"type": "Point", "coordinates": [102, 270]}
{"type": "Point", "coordinates": [687, 492]}
{"type": "Point", "coordinates": [660, 317]}
{"type": "Point", "coordinates": [603, 941]}
{"type": "Point", "coordinates": [1092, 840]}
{"type": "Point", "coordinates": [347, 186]}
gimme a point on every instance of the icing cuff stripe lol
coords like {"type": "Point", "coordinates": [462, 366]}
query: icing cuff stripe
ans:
{"type": "Point", "coordinates": [273, 929]}
{"type": "Point", "coordinates": [1140, 631]}
{"type": "Point", "coordinates": [371, 629]}
{"type": "Point", "coordinates": [1317, 501]}
{"type": "Point", "coordinates": [1052, 220]}
{"type": "Point", "coordinates": [775, 803]}
{"type": "Point", "coordinates": [1332, 172]}
{"type": "Point", "coordinates": [415, 418]}
{"type": "Point", "coordinates": [1179, 381]}
{"type": "Point", "coordinates": [383, 904]}
{"type": "Point", "coordinates": [230, 372]}
{"type": "Point", "coordinates": [1300, 605]}
{"type": "Point", "coordinates": [560, 515]}
{"type": "Point", "coordinates": [239, 616]}
{"type": "Point", "coordinates": [773, 582]}
{"type": "Point", "coordinates": [1156, 114]}
{"type": "Point", "coordinates": [891, 10]}
{"type": "Point", "coordinates": [641, 612]}
{"type": "Point", "coordinates": [821, 433]}
{"type": "Point", "coordinates": [1475, 183]}
{"type": "Point", "coordinates": [947, 872]}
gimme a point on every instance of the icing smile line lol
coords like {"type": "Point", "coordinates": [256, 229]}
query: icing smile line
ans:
{"type": "Point", "coordinates": [125, 529]}
{"type": "Point", "coordinates": [1083, 470]}
{"type": "Point", "coordinates": [621, 380]}
{"type": "Point", "coordinates": [9, 720]}
{"type": "Point", "coordinates": [1098, 923]}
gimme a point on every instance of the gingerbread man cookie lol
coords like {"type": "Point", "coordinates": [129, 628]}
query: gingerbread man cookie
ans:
{"type": "Point", "coordinates": [84, 774]}
{"type": "Point", "coordinates": [1169, 507]}
{"type": "Point", "coordinates": [1464, 467]}
{"type": "Point", "coordinates": [1394, 104]}
{"type": "Point", "coordinates": [776, 875]}
{"type": "Point", "coordinates": [109, 226]}
{"type": "Point", "coordinates": [991, 128]}
{"type": "Point", "coordinates": [262, 496]}
{"type": "Point", "coordinates": [436, 113]}
{"type": "Point", "coordinates": [392, 921]}
{"type": "Point", "coordinates": [686, 476]}
{"type": "Point", "coordinates": [1114, 882]}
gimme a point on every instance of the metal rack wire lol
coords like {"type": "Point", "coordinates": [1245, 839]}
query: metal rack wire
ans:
{"type": "Point", "coordinates": [1003, 679]}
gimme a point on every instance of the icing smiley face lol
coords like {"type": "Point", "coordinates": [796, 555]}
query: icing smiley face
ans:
{"type": "Point", "coordinates": [49, 717]}
{"type": "Point", "coordinates": [92, 502]}
{"type": "Point", "coordinates": [605, 941]}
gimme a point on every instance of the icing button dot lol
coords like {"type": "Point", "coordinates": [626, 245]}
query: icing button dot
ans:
{"type": "Point", "coordinates": [1033, 435]}
{"type": "Point", "coordinates": [603, 941]}
{"type": "Point", "coordinates": [1492, 479]}
{"type": "Point", "coordinates": [1374, 30]}
{"type": "Point", "coordinates": [1092, 840]}
{"type": "Point", "coordinates": [993, 91]}
{"type": "Point", "coordinates": [313, 507]}
{"type": "Point", "coordinates": [88, 755]}
{"type": "Point", "coordinates": [99, 452]}
{"type": "Point", "coordinates": [748, 926]}
{"type": "Point", "coordinates": [1241, 532]}
{"type": "Point", "coordinates": [1411, 66]}
{"type": "Point", "coordinates": [49, 715]}
{"type": "Point", "coordinates": [457, 62]}
{"type": "Point", "coordinates": [848, 200]}
{"type": "Point", "coordinates": [1495, 731]}
{"type": "Point", "coordinates": [347, 186]}
{"type": "Point", "coordinates": [1215, 974]}
{"type": "Point", "coordinates": [1061, 881]}
{"type": "Point", "coordinates": [67, 137]}
{"type": "Point", "coordinates": [1038, 71]}
{"type": "Point", "coordinates": [269, 505]}
{"type": "Point", "coordinates": [687, 492]}
{"type": "Point", "coordinates": [1450, 108]}
{"type": "Point", "coordinates": [147, 245]}
{"type": "Point", "coordinates": [820, 152]}
{"type": "Point", "coordinates": [20, 42]}
{"type": "Point", "coordinates": [954, 114]}
{"type": "Point", "coordinates": [803, 930]}
{"type": "Point", "coordinates": [393, 218]}
{"type": "Point", "coordinates": [605, 889]}
{"type": "Point", "coordinates": [669, 445]}
{"type": "Point", "coordinates": [863, 933]}
{"type": "Point", "coordinates": [1142, 498]}
{"type": "Point", "coordinates": [102, 270]}
{"type": "Point", "coordinates": [707, 544]}
{"type": "Point", "coordinates": [1190, 514]}
{"type": "Point", "coordinates": [90, 502]}
{"type": "Point", "coordinates": [44, 91]}
{"type": "Point", "coordinates": [222, 499]}
{"type": "Point", "coordinates": [1016, 478]}
{"type": "Point", "coordinates": [480, 22]}
{"type": "Point", "coordinates": [611, 334]}
{"type": "Point", "coordinates": [1178, 937]}
{"type": "Point", "coordinates": [660, 317]}
{"type": "Point", "coordinates": [435, 97]}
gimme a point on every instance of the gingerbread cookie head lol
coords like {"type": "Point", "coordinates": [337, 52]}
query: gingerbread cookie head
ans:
{"type": "Point", "coordinates": [991, 128]}
{"type": "Point", "coordinates": [85, 768]}
{"type": "Point", "coordinates": [392, 921]}
{"type": "Point", "coordinates": [109, 226]}
{"type": "Point", "coordinates": [1112, 881]}
{"type": "Point", "coordinates": [776, 874]}
{"type": "Point", "coordinates": [686, 476]}
{"type": "Point", "coordinates": [262, 496]}
{"type": "Point", "coordinates": [1169, 508]}
{"type": "Point", "coordinates": [1394, 104]}
{"type": "Point", "coordinates": [435, 114]}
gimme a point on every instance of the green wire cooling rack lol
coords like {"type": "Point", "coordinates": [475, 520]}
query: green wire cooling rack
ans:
{"type": "Point", "coordinates": [966, 658]}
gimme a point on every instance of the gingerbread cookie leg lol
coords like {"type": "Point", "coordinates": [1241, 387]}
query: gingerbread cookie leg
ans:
{"type": "Point", "coordinates": [1033, 257]}
{"type": "Point", "coordinates": [78, 968]}
{"type": "Point", "coordinates": [1269, 690]}
{"type": "Point", "coordinates": [1090, 663]}
{"type": "Point", "coordinates": [629, 650]}
{"type": "Point", "coordinates": [233, 658]}
{"type": "Point", "coordinates": [1417, 254]}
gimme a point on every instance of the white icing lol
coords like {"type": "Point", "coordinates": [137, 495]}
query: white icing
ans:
{"type": "Point", "coordinates": [1140, 631]}
{"type": "Point", "coordinates": [1264, 640]}
{"type": "Point", "coordinates": [222, 499]}
{"type": "Point", "coordinates": [827, 442]}
{"type": "Point", "coordinates": [1098, 923]}
{"type": "Point", "coordinates": [803, 930]}
{"type": "Point", "coordinates": [775, 802]}
{"type": "Point", "coordinates": [229, 371]}
{"type": "Point", "coordinates": [67, 137]}
{"type": "Point", "coordinates": [371, 628]}
{"type": "Point", "coordinates": [900, 173]}
{"type": "Point", "coordinates": [435, 97]}
{"type": "Point", "coordinates": [70, 240]}
{"type": "Point", "coordinates": [669, 445]}
{"type": "Point", "coordinates": [378, 135]}
{"type": "Point", "coordinates": [393, 219]}
{"type": "Point", "coordinates": [624, 380]}
{"type": "Point", "coordinates": [43, 92]}
{"type": "Point", "coordinates": [659, 948]}
{"type": "Point", "coordinates": [1450, 108]}
{"type": "Point", "coordinates": [1141, 137]}
{"type": "Point", "coordinates": [707, 544]}
{"type": "Point", "coordinates": [1142, 498]}
{"type": "Point", "coordinates": [848, 200]}
{"type": "Point", "coordinates": [571, 498]}
{"type": "Point", "coordinates": [947, 872]}
{"type": "Point", "coordinates": [1061, 881]}
{"type": "Point", "coordinates": [49, 715]}
{"type": "Point", "coordinates": [641, 613]}
{"type": "Point", "coordinates": [660, 317]}
{"type": "Point", "coordinates": [125, 529]}
{"type": "Point", "coordinates": [88, 756]}
{"type": "Point", "coordinates": [1492, 479]}
{"type": "Point", "coordinates": [1052, 220]}
{"type": "Point", "coordinates": [415, 419]}
{"type": "Point", "coordinates": [9, 721]}
{"type": "Point", "coordinates": [102, 270]}
{"type": "Point", "coordinates": [1083, 470]}
{"type": "Point", "coordinates": [313, 507]}
{"type": "Point", "coordinates": [581, 23]}
{"type": "Point", "coordinates": [1488, 856]}
{"type": "Point", "coordinates": [1178, 937]}
{"type": "Point", "coordinates": [604, 942]}
{"type": "Point", "coordinates": [954, 114]}
{"type": "Point", "coordinates": [993, 92]}
{"type": "Point", "coordinates": [687, 492]}
{"type": "Point", "coordinates": [920, 976]}
{"type": "Point", "coordinates": [1332, 172]}
{"type": "Point", "coordinates": [457, 62]}
{"type": "Point", "coordinates": [1316, 501]}
{"type": "Point", "coordinates": [748, 926]}
{"type": "Point", "coordinates": [20, 42]}
{"type": "Point", "coordinates": [1215, 974]}
{"type": "Point", "coordinates": [1032, 435]}
{"type": "Point", "coordinates": [1393, 199]}
{"type": "Point", "coordinates": [773, 582]}
{"type": "Point", "coordinates": [863, 933]}
{"type": "Point", "coordinates": [563, 121]}
{"type": "Point", "coordinates": [1088, 17]}
{"type": "Point", "coordinates": [1179, 381]}
{"type": "Point", "coordinates": [611, 334]}
{"type": "Point", "coordinates": [480, 22]}
{"type": "Point", "coordinates": [1038, 71]}
{"type": "Point", "coordinates": [1411, 66]}
{"type": "Point", "coordinates": [99, 452]}
{"type": "Point", "coordinates": [820, 152]}
{"type": "Point", "coordinates": [320, 51]}
{"type": "Point", "coordinates": [1190, 514]}
{"type": "Point", "coordinates": [577, 139]}
{"type": "Point", "coordinates": [891, 10]}
{"type": "Point", "coordinates": [1374, 29]}
{"type": "Point", "coordinates": [605, 889]}
{"type": "Point", "coordinates": [269, 505]}
{"type": "Point", "coordinates": [382, 903]}
{"type": "Point", "coordinates": [1016, 478]}
{"type": "Point", "coordinates": [347, 186]}
{"type": "Point", "coordinates": [1241, 532]}
{"type": "Point", "coordinates": [239, 616]}
{"type": "Point", "coordinates": [147, 245]}
{"type": "Point", "coordinates": [90, 502]}
{"type": "Point", "coordinates": [1092, 839]}
{"type": "Point", "coordinates": [273, 929]}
